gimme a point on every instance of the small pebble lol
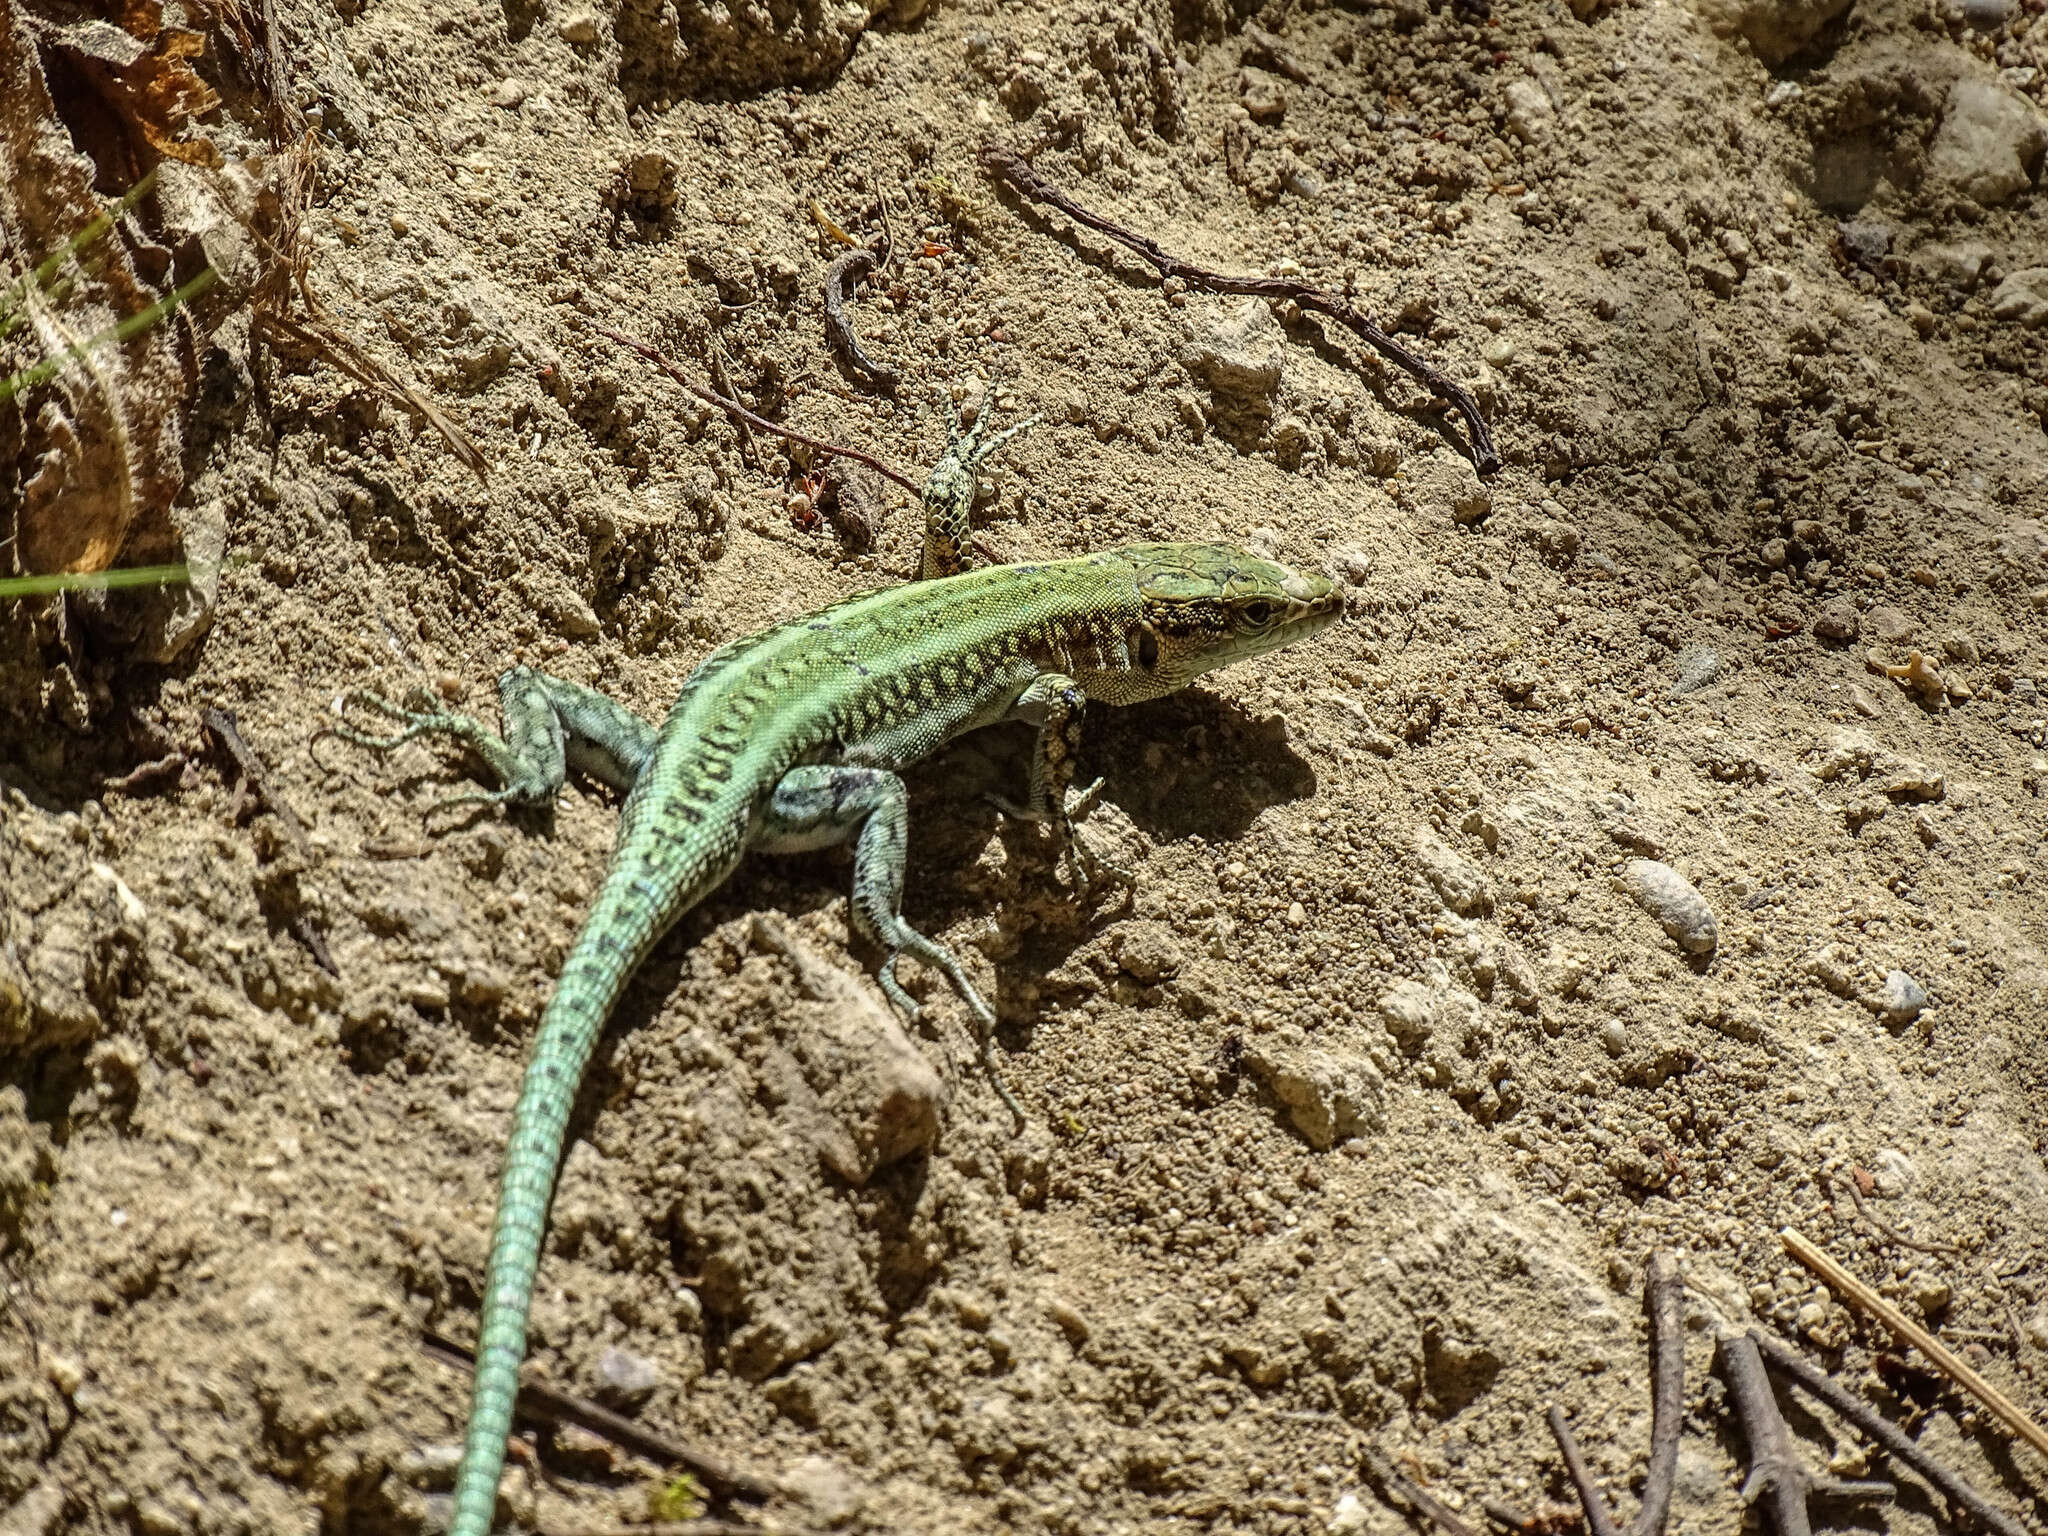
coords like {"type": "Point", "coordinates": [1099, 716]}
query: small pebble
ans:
{"type": "Point", "coordinates": [430, 1466]}
{"type": "Point", "coordinates": [625, 1379]}
{"type": "Point", "coordinates": [1699, 666]}
{"type": "Point", "coordinates": [1836, 621]}
{"type": "Point", "coordinates": [1986, 15]}
{"type": "Point", "coordinates": [1614, 1035]}
{"type": "Point", "coordinates": [1902, 999]}
{"type": "Point", "coordinates": [1669, 897]}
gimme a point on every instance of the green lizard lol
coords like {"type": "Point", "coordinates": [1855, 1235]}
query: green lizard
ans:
{"type": "Point", "coordinates": [791, 740]}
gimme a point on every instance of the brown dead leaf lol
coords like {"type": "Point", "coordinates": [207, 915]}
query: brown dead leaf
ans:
{"type": "Point", "coordinates": [142, 72]}
{"type": "Point", "coordinates": [94, 450]}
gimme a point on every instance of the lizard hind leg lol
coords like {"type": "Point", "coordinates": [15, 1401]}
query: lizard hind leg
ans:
{"type": "Point", "coordinates": [549, 724]}
{"type": "Point", "coordinates": [816, 806]}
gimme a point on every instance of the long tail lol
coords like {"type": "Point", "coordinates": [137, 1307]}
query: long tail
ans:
{"type": "Point", "coordinates": [629, 914]}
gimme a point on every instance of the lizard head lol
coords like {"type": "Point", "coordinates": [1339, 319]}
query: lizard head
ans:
{"type": "Point", "coordinates": [1204, 606]}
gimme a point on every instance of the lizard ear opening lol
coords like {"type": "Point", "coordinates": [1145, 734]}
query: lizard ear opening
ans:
{"type": "Point", "coordinates": [1147, 647]}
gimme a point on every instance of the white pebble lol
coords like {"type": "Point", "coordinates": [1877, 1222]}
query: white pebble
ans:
{"type": "Point", "coordinates": [1669, 897]}
{"type": "Point", "coordinates": [1902, 999]}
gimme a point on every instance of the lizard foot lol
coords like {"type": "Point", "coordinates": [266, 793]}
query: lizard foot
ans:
{"type": "Point", "coordinates": [1085, 866]}
{"type": "Point", "coordinates": [908, 941]}
{"type": "Point", "coordinates": [418, 717]}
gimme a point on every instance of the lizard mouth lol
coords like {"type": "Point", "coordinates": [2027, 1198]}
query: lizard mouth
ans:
{"type": "Point", "coordinates": [1312, 602]}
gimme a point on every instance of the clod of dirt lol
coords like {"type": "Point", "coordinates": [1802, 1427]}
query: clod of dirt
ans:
{"type": "Point", "coordinates": [1775, 29]}
{"type": "Point", "coordinates": [2023, 298]}
{"type": "Point", "coordinates": [705, 48]}
{"type": "Point", "coordinates": [1241, 355]}
{"type": "Point", "coordinates": [1330, 1095]}
{"type": "Point", "coordinates": [1990, 142]}
{"type": "Point", "coordinates": [1456, 878]}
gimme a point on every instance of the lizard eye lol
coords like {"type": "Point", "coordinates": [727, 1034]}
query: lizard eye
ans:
{"type": "Point", "coordinates": [1258, 614]}
{"type": "Point", "coordinates": [1148, 647]}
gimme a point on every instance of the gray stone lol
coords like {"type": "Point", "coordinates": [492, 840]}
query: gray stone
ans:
{"type": "Point", "coordinates": [1669, 897]}
{"type": "Point", "coordinates": [1699, 666]}
{"type": "Point", "coordinates": [1989, 144]}
{"type": "Point", "coordinates": [626, 1380]}
{"type": "Point", "coordinates": [1866, 242]}
{"type": "Point", "coordinates": [1902, 999]}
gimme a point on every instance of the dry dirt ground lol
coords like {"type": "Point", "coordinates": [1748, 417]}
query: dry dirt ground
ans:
{"type": "Point", "coordinates": [1355, 1125]}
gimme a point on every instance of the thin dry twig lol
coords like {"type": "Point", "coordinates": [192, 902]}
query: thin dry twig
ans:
{"type": "Point", "coordinates": [226, 731]}
{"type": "Point", "coordinates": [1394, 1486]}
{"type": "Point", "coordinates": [220, 723]}
{"type": "Point", "coordinates": [1664, 1303]}
{"type": "Point", "coordinates": [841, 278]}
{"type": "Point", "coordinates": [1939, 1355]}
{"type": "Point", "coordinates": [551, 1405]}
{"type": "Point", "coordinates": [319, 333]}
{"type": "Point", "coordinates": [1599, 1520]}
{"type": "Point", "coordinates": [1893, 1441]}
{"type": "Point", "coordinates": [740, 413]}
{"type": "Point", "coordinates": [1775, 1470]}
{"type": "Point", "coordinates": [1890, 1233]}
{"type": "Point", "coordinates": [287, 255]}
{"type": "Point", "coordinates": [144, 775]}
{"type": "Point", "coordinates": [1008, 166]}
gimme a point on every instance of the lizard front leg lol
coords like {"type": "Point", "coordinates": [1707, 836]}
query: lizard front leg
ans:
{"type": "Point", "coordinates": [813, 807]}
{"type": "Point", "coordinates": [949, 493]}
{"type": "Point", "coordinates": [1054, 703]}
{"type": "Point", "coordinates": [550, 725]}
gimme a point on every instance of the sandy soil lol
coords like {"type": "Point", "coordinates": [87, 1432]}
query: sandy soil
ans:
{"type": "Point", "coordinates": [1355, 1126]}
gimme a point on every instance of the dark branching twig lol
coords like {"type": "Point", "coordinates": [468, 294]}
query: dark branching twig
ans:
{"type": "Point", "coordinates": [1008, 166]}
{"type": "Point", "coordinates": [1776, 1472]}
{"type": "Point", "coordinates": [1598, 1519]}
{"type": "Point", "coordinates": [739, 412]}
{"type": "Point", "coordinates": [220, 724]}
{"type": "Point", "coordinates": [1396, 1487]}
{"type": "Point", "coordinates": [841, 278]}
{"type": "Point", "coordinates": [1938, 1354]}
{"type": "Point", "coordinates": [1894, 1442]}
{"type": "Point", "coordinates": [1664, 1302]}
{"type": "Point", "coordinates": [551, 1405]}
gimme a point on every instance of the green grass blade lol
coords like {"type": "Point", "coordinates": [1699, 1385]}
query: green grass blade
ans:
{"type": "Point", "coordinates": [78, 242]}
{"type": "Point", "coordinates": [48, 368]}
{"type": "Point", "coordinates": [12, 587]}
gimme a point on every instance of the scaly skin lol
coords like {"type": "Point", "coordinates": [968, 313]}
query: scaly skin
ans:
{"type": "Point", "coordinates": [790, 739]}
